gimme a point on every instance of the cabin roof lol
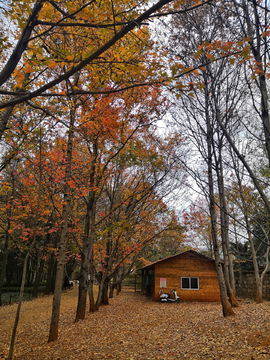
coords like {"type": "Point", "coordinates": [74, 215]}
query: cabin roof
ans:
{"type": "Point", "coordinates": [191, 252]}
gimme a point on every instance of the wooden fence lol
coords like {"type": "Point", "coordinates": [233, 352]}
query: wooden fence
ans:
{"type": "Point", "coordinates": [134, 281]}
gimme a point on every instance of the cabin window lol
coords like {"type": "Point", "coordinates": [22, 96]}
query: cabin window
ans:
{"type": "Point", "coordinates": [190, 283]}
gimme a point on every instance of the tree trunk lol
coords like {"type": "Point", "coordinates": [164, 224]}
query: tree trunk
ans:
{"type": "Point", "coordinates": [13, 336]}
{"type": "Point", "coordinates": [39, 271]}
{"type": "Point", "coordinates": [29, 274]}
{"type": "Point", "coordinates": [105, 299]}
{"type": "Point", "coordinates": [258, 279]}
{"type": "Point", "coordinates": [228, 276]}
{"type": "Point", "coordinates": [224, 221]}
{"type": "Point", "coordinates": [83, 285]}
{"type": "Point", "coordinates": [88, 239]}
{"type": "Point", "coordinates": [100, 293]}
{"type": "Point", "coordinates": [51, 274]}
{"type": "Point", "coordinates": [119, 287]}
{"type": "Point", "coordinates": [86, 255]}
{"type": "Point", "coordinates": [259, 294]}
{"type": "Point", "coordinates": [4, 262]}
{"type": "Point", "coordinates": [91, 297]}
{"type": "Point", "coordinates": [226, 306]}
{"type": "Point", "coordinates": [259, 299]}
{"type": "Point", "coordinates": [53, 332]}
{"type": "Point", "coordinates": [239, 263]}
{"type": "Point", "coordinates": [91, 290]}
{"type": "Point", "coordinates": [112, 287]}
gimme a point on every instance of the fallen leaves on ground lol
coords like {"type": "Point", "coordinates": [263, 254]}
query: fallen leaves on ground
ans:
{"type": "Point", "coordinates": [135, 327]}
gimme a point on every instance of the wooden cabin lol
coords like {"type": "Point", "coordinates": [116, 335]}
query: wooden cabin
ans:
{"type": "Point", "coordinates": [192, 274]}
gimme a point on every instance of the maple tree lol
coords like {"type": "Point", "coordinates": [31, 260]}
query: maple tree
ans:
{"type": "Point", "coordinates": [55, 43]}
{"type": "Point", "coordinates": [21, 203]}
{"type": "Point", "coordinates": [27, 234]}
{"type": "Point", "coordinates": [56, 155]}
{"type": "Point", "coordinates": [106, 129]}
{"type": "Point", "coordinates": [64, 228]}
{"type": "Point", "coordinates": [71, 65]}
{"type": "Point", "coordinates": [68, 185]}
{"type": "Point", "coordinates": [7, 180]}
{"type": "Point", "coordinates": [27, 202]}
{"type": "Point", "coordinates": [108, 143]}
{"type": "Point", "coordinates": [47, 21]}
{"type": "Point", "coordinates": [138, 221]}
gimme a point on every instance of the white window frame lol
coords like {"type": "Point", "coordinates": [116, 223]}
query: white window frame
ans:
{"type": "Point", "coordinates": [190, 277]}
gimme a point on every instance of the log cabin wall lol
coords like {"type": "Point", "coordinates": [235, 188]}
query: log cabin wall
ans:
{"type": "Point", "coordinates": [188, 265]}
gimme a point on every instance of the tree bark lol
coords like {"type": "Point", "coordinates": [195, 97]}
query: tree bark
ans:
{"type": "Point", "coordinates": [119, 287]}
{"type": "Point", "coordinates": [4, 120]}
{"type": "Point", "coordinates": [239, 262]}
{"type": "Point", "coordinates": [83, 284]}
{"type": "Point", "coordinates": [50, 274]}
{"type": "Point", "coordinates": [53, 332]}
{"type": "Point", "coordinates": [259, 297]}
{"type": "Point", "coordinates": [91, 290]}
{"type": "Point", "coordinates": [226, 306]}
{"type": "Point", "coordinates": [105, 298]}
{"type": "Point", "coordinates": [12, 342]}
{"type": "Point", "coordinates": [100, 292]}
{"type": "Point", "coordinates": [113, 285]}
{"type": "Point", "coordinates": [111, 290]}
{"type": "Point", "coordinates": [39, 271]}
{"type": "Point", "coordinates": [228, 265]}
{"type": "Point", "coordinates": [86, 255]}
{"type": "Point", "coordinates": [13, 336]}
{"type": "Point", "coordinates": [4, 262]}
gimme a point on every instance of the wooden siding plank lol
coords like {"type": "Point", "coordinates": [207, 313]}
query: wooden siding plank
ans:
{"type": "Point", "coordinates": [188, 266]}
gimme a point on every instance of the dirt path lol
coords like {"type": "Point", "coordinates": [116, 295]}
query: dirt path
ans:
{"type": "Point", "coordinates": [134, 327]}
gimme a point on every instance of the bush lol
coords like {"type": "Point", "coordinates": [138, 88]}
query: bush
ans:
{"type": "Point", "coordinates": [28, 289]}
{"type": "Point", "coordinates": [11, 295]}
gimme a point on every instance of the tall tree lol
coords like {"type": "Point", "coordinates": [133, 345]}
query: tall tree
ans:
{"type": "Point", "coordinates": [204, 97]}
{"type": "Point", "coordinates": [254, 24]}
{"type": "Point", "coordinates": [53, 332]}
{"type": "Point", "coordinates": [108, 24]}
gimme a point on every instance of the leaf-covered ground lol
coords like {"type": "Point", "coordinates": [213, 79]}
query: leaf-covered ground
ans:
{"type": "Point", "coordinates": [134, 327]}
